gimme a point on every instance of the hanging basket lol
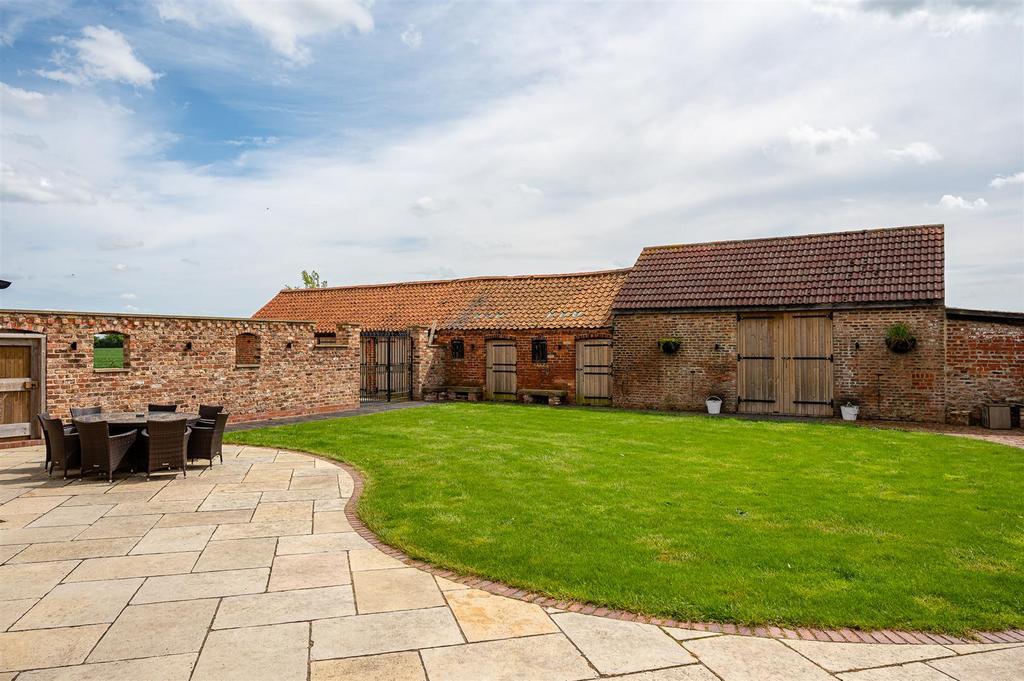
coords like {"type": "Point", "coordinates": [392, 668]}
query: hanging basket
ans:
{"type": "Point", "coordinates": [901, 346]}
{"type": "Point", "coordinates": [669, 345]}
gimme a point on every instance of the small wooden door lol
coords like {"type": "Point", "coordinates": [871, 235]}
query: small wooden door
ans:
{"type": "Point", "coordinates": [17, 384]}
{"type": "Point", "coordinates": [784, 364]}
{"type": "Point", "coordinates": [501, 370]}
{"type": "Point", "coordinates": [594, 371]}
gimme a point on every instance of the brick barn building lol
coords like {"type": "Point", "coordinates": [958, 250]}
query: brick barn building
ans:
{"type": "Point", "coordinates": [798, 325]}
{"type": "Point", "coordinates": [532, 338]}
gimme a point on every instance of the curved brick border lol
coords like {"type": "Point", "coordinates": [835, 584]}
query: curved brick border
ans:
{"type": "Point", "coordinates": [499, 589]}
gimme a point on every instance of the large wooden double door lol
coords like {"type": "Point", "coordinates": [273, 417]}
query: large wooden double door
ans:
{"type": "Point", "coordinates": [21, 384]}
{"type": "Point", "coordinates": [784, 364]}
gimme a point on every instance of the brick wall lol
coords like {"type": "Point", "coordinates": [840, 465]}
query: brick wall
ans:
{"type": "Point", "coordinates": [886, 385]}
{"type": "Point", "coordinates": [558, 373]}
{"type": "Point", "coordinates": [645, 377]}
{"type": "Point", "coordinates": [890, 386]}
{"type": "Point", "coordinates": [292, 380]}
{"type": "Point", "coordinates": [428, 359]}
{"type": "Point", "coordinates": [984, 363]}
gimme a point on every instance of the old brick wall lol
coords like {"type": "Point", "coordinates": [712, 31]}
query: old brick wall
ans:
{"type": "Point", "coordinates": [299, 379]}
{"type": "Point", "coordinates": [984, 363]}
{"type": "Point", "coordinates": [557, 373]}
{"type": "Point", "coordinates": [705, 364]}
{"type": "Point", "coordinates": [428, 357]}
{"type": "Point", "coordinates": [886, 385]}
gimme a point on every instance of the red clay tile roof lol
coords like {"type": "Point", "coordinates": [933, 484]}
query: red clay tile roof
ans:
{"type": "Point", "coordinates": [554, 301]}
{"type": "Point", "coordinates": [871, 266]}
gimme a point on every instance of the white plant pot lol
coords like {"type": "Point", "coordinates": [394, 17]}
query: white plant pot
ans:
{"type": "Point", "coordinates": [714, 405]}
{"type": "Point", "coordinates": [850, 412]}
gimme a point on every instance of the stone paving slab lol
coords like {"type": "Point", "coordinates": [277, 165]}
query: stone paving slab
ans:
{"type": "Point", "coordinates": [213, 578]}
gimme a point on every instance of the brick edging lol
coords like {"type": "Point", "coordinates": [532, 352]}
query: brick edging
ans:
{"type": "Point", "coordinates": [807, 634]}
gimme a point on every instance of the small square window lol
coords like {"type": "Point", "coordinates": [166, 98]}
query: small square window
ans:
{"type": "Point", "coordinates": [540, 350]}
{"type": "Point", "coordinates": [458, 349]}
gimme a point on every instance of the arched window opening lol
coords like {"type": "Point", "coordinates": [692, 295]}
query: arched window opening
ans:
{"type": "Point", "coordinates": [247, 350]}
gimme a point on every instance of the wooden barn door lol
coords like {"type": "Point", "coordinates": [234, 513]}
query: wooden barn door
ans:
{"type": "Point", "coordinates": [757, 365]}
{"type": "Point", "coordinates": [20, 381]}
{"type": "Point", "coordinates": [807, 355]}
{"type": "Point", "coordinates": [784, 364]}
{"type": "Point", "coordinates": [594, 371]}
{"type": "Point", "coordinates": [501, 370]}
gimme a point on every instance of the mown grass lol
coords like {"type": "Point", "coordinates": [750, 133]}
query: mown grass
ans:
{"type": "Point", "coordinates": [697, 518]}
{"type": "Point", "coordinates": [108, 358]}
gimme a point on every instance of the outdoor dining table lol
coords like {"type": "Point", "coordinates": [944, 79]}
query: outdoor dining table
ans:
{"type": "Point", "coordinates": [137, 419]}
{"type": "Point", "coordinates": [123, 421]}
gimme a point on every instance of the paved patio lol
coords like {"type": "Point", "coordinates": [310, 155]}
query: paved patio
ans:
{"type": "Point", "coordinates": [250, 570]}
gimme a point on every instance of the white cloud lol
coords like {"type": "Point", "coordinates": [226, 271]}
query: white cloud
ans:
{"type": "Point", "coordinates": [527, 190]}
{"type": "Point", "coordinates": [938, 17]}
{"type": "Point", "coordinates": [129, 296]}
{"type": "Point", "coordinates": [285, 25]}
{"type": "Point", "coordinates": [918, 152]}
{"type": "Point", "coordinates": [412, 37]}
{"type": "Point", "coordinates": [100, 54]}
{"type": "Point", "coordinates": [26, 187]}
{"type": "Point", "coordinates": [824, 140]}
{"type": "Point", "coordinates": [130, 308]}
{"type": "Point", "coordinates": [950, 201]}
{"type": "Point", "coordinates": [253, 141]}
{"type": "Point", "coordinates": [25, 102]}
{"type": "Point", "coordinates": [1000, 181]}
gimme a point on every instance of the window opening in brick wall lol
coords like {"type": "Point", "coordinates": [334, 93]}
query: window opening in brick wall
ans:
{"type": "Point", "coordinates": [110, 350]}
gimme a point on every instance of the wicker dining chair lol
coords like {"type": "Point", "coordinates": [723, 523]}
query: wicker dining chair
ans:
{"type": "Point", "coordinates": [61, 444]}
{"type": "Point", "coordinates": [163, 407]}
{"type": "Point", "coordinates": [166, 445]}
{"type": "Point", "coordinates": [85, 411]}
{"type": "Point", "coordinates": [207, 442]}
{"type": "Point", "coordinates": [208, 414]}
{"type": "Point", "coordinates": [101, 451]}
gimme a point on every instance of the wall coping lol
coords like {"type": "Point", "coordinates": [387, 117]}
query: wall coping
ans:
{"type": "Point", "coordinates": [143, 315]}
{"type": "Point", "coordinates": [1016, 318]}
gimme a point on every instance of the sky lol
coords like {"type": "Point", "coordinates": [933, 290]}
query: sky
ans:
{"type": "Point", "coordinates": [193, 156]}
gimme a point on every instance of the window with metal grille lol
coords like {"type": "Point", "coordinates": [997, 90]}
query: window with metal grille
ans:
{"type": "Point", "coordinates": [458, 349]}
{"type": "Point", "coordinates": [540, 350]}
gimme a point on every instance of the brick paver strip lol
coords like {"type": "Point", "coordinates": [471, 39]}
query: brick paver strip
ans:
{"type": "Point", "coordinates": [499, 589]}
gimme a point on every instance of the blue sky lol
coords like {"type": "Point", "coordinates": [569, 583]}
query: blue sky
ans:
{"type": "Point", "coordinates": [192, 156]}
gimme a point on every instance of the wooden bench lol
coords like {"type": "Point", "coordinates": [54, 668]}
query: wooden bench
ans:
{"type": "Point", "coordinates": [529, 395]}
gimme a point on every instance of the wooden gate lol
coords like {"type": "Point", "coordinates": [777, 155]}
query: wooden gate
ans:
{"type": "Point", "coordinates": [594, 371]}
{"type": "Point", "coordinates": [21, 380]}
{"type": "Point", "coordinates": [784, 363]}
{"type": "Point", "coordinates": [385, 366]}
{"type": "Point", "coordinates": [501, 370]}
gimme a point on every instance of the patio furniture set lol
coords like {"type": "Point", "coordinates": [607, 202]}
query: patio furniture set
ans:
{"type": "Point", "coordinates": [161, 438]}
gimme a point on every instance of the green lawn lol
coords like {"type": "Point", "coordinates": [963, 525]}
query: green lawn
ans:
{"type": "Point", "coordinates": [697, 518]}
{"type": "Point", "coordinates": [108, 358]}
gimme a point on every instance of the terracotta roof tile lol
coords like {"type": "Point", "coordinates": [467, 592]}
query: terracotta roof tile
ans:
{"type": "Point", "coordinates": [525, 302]}
{"type": "Point", "coordinates": [881, 265]}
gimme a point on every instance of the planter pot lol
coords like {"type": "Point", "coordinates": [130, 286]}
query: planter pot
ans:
{"type": "Point", "coordinates": [901, 347]}
{"type": "Point", "coordinates": [850, 412]}
{"type": "Point", "coordinates": [714, 405]}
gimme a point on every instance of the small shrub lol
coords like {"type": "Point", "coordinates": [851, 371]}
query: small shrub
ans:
{"type": "Point", "coordinates": [900, 338]}
{"type": "Point", "coordinates": [669, 345]}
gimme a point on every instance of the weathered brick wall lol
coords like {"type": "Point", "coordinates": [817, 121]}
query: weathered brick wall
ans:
{"type": "Point", "coordinates": [705, 364]}
{"type": "Point", "coordinates": [428, 362]}
{"type": "Point", "coordinates": [887, 385]}
{"type": "Point", "coordinates": [558, 373]}
{"type": "Point", "coordinates": [984, 363]}
{"type": "Point", "coordinates": [299, 379]}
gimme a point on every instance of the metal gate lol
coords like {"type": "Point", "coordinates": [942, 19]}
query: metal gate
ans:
{"type": "Point", "coordinates": [385, 366]}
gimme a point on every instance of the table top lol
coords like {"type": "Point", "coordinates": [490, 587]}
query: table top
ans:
{"type": "Point", "coordinates": [132, 418]}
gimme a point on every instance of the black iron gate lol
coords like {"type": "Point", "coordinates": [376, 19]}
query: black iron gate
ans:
{"type": "Point", "coordinates": [385, 366]}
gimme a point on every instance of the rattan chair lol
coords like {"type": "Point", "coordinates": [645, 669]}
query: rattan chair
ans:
{"type": "Point", "coordinates": [163, 407]}
{"type": "Point", "coordinates": [61, 444]}
{"type": "Point", "coordinates": [85, 411]}
{"type": "Point", "coordinates": [166, 445]}
{"type": "Point", "coordinates": [206, 442]}
{"type": "Point", "coordinates": [101, 451]}
{"type": "Point", "coordinates": [208, 414]}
